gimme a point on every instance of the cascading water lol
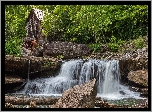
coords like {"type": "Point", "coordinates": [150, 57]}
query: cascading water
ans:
{"type": "Point", "coordinates": [76, 72]}
{"type": "Point", "coordinates": [28, 70]}
{"type": "Point", "coordinates": [111, 78]}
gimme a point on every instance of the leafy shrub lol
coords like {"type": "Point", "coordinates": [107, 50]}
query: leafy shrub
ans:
{"type": "Point", "coordinates": [138, 43]}
{"type": "Point", "coordinates": [95, 47]}
{"type": "Point", "coordinates": [114, 45]}
{"type": "Point", "coordinates": [13, 46]}
{"type": "Point", "coordinates": [147, 47]}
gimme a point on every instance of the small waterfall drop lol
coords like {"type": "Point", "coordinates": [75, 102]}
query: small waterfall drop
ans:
{"type": "Point", "coordinates": [28, 77]}
{"type": "Point", "coordinates": [77, 72]}
{"type": "Point", "coordinates": [28, 80]}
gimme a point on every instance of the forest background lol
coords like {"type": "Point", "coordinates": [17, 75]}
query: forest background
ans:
{"type": "Point", "coordinates": [93, 25]}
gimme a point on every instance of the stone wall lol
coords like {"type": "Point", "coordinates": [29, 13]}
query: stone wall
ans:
{"type": "Point", "coordinates": [79, 96]}
{"type": "Point", "coordinates": [66, 49]}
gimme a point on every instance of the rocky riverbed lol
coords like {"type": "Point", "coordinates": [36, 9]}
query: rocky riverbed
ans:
{"type": "Point", "coordinates": [16, 101]}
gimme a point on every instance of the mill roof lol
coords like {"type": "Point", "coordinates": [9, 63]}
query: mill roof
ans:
{"type": "Point", "coordinates": [38, 13]}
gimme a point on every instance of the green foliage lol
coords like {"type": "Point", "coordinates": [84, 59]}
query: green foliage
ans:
{"type": "Point", "coordinates": [13, 46]}
{"type": "Point", "coordinates": [47, 63]}
{"type": "Point", "coordinates": [130, 21]}
{"type": "Point", "coordinates": [61, 23]}
{"type": "Point", "coordinates": [147, 47]}
{"type": "Point", "coordinates": [87, 24]}
{"type": "Point", "coordinates": [114, 45]}
{"type": "Point", "coordinates": [95, 47]}
{"type": "Point", "coordinates": [138, 43]}
{"type": "Point", "coordinates": [98, 23]}
{"type": "Point", "coordinates": [60, 56]}
{"type": "Point", "coordinates": [84, 57]}
{"type": "Point", "coordinates": [14, 28]}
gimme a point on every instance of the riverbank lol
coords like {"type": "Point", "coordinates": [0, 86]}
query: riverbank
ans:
{"type": "Point", "coordinates": [24, 101]}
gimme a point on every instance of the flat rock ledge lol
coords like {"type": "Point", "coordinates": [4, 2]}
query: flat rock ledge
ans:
{"type": "Point", "coordinates": [80, 96]}
{"type": "Point", "coordinates": [10, 80]}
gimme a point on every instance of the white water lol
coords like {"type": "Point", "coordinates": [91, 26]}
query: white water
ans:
{"type": "Point", "coordinates": [28, 69]}
{"type": "Point", "coordinates": [76, 72]}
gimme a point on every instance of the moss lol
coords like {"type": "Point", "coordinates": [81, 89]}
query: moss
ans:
{"type": "Point", "coordinates": [60, 56]}
{"type": "Point", "coordinates": [47, 63]}
{"type": "Point", "coordinates": [84, 57]}
{"type": "Point", "coordinates": [147, 47]}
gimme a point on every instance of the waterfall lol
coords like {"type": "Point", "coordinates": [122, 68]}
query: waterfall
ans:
{"type": "Point", "coordinates": [28, 70]}
{"type": "Point", "coordinates": [77, 72]}
{"type": "Point", "coordinates": [111, 78]}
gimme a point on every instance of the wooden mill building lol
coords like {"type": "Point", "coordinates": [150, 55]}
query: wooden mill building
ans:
{"type": "Point", "coordinates": [34, 36]}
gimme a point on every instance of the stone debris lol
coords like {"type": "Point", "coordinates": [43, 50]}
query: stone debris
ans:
{"type": "Point", "coordinates": [9, 105]}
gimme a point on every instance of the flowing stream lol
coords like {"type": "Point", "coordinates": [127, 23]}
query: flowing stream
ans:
{"type": "Point", "coordinates": [76, 72]}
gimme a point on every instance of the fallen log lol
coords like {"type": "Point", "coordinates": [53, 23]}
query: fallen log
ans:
{"type": "Point", "coordinates": [26, 101]}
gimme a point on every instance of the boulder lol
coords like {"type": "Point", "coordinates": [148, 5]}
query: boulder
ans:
{"type": "Point", "coordinates": [80, 96]}
{"type": "Point", "coordinates": [139, 77]}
